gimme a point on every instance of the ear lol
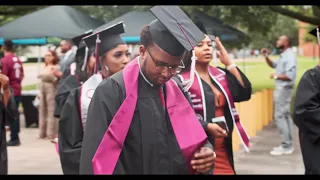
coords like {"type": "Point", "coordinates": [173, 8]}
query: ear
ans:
{"type": "Point", "coordinates": [142, 51]}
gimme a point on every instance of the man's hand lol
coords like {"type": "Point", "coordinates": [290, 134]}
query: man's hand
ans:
{"type": "Point", "coordinates": [264, 51]}
{"type": "Point", "coordinates": [4, 80]}
{"type": "Point", "coordinates": [57, 73]}
{"type": "Point", "coordinates": [216, 130]}
{"type": "Point", "coordinates": [272, 75]}
{"type": "Point", "coordinates": [203, 160]}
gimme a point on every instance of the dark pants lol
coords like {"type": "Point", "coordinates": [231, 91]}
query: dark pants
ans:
{"type": "Point", "coordinates": [15, 125]}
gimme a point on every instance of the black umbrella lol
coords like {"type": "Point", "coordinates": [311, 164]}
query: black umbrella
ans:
{"type": "Point", "coordinates": [54, 21]}
{"type": "Point", "coordinates": [215, 27]}
{"type": "Point", "coordinates": [133, 21]}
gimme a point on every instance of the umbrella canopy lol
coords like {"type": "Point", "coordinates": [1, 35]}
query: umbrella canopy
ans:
{"type": "Point", "coordinates": [54, 21]}
{"type": "Point", "coordinates": [133, 21]}
{"type": "Point", "coordinates": [215, 27]}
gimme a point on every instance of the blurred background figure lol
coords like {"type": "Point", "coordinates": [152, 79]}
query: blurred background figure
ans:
{"type": "Point", "coordinates": [284, 77]}
{"type": "Point", "coordinates": [13, 69]}
{"type": "Point", "coordinates": [9, 111]}
{"type": "Point", "coordinates": [66, 49]}
{"type": "Point", "coordinates": [47, 122]}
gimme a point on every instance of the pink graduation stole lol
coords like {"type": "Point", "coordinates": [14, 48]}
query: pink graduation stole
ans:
{"type": "Point", "coordinates": [199, 105]}
{"type": "Point", "coordinates": [187, 128]}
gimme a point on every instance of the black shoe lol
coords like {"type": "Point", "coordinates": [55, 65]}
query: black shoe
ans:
{"type": "Point", "coordinates": [13, 143]}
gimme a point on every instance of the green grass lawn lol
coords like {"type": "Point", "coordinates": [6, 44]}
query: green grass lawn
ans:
{"type": "Point", "coordinates": [29, 87]}
{"type": "Point", "coordinates": [258, 73]}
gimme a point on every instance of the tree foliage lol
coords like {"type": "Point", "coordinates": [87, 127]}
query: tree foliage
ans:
{"type": "Point", "coordinates": [263, 24]}
{"type": "Point", "coordinates": [9, 13]}
{"type": "Point", "coordinates": [308, 14]}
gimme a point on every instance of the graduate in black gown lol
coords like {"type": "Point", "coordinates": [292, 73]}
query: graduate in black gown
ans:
{"type": "Point", "coordinates": [113, 57]}
{"type": "Point", "coordinates": [306, 116]}
{"type": "Point", "coordinates": [127, 137]}
{"type": "Point", "coordinates": [8, 112]}
{"type": "Point", "coordinates": [75, 74]}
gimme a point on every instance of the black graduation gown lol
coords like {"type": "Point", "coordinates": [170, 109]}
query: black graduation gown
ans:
{"type": "Point", "coordinates": [70, 134]}
{"type": "Point", "coordinates": [7, 115]}
{"type": "Point", "coordinates": [150, 147]}
{"type": "Point", "coordinates": [239, 94]}
{"type": "Point", "coordinates": [64, 88]}
{"type": "Point", "coordinates": [306, 116]}
{"type": "Point", "coordinates": [65, 74]}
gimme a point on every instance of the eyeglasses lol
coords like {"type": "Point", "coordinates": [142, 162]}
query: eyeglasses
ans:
{"type": "Point", "coordinates": [174, 70]}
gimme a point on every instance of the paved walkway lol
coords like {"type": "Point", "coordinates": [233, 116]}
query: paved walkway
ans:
{"type": "Point", "coordinates": [259, 161]}
{"type": "Point", "coordinates": [36, 156]}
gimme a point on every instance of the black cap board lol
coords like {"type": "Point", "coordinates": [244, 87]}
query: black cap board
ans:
{"type": "Point", "coordinates": [173, 31]}
{"type": "Point", "coordinates": [314, 31]}
{"type": "Point", "coordinates": [107, 39]}
{"type": "Point", "coordinates": [78, 39]}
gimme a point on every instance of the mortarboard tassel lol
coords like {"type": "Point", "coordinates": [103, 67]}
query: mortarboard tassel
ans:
{"type": "Point", "coordinates": [98, 41]}
{"type": "Point", "coordinates": [188, 82]}
{"type": "Point", "coordinates": [85, 59]}
{"type": "Point", "coordinates": [318, 35]}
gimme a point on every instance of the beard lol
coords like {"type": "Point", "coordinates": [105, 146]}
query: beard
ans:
{"type": "Point", "coordinates": [280, 47]}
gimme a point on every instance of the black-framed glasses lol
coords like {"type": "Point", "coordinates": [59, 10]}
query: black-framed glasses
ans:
{"type": "Point", "coordinates": [174, 70]}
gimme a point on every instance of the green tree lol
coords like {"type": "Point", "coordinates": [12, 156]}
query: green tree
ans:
{"type": "Point", "coordinates": [9, 13]}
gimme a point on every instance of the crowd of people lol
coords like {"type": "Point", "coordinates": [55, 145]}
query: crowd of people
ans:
{"type": "Point", "coordinates": [167, 111]}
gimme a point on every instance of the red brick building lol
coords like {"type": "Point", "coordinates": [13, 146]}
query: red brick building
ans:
{"type": "Point", "coordinates": [307, 49]}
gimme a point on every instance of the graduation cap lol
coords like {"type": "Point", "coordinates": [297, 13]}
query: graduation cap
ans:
{"type": "Point", "coordinates": [174, 32]}
{"type": "Point", "coordinates": [316, 33]}
{"type": "Point", "coordinates": [105, 40]}
{"type": "Point", "coordinates": [78, 39]}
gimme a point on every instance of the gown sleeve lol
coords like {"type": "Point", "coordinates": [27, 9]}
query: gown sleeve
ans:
{"type": "Point", "coordinates": [70, 134]}
{"type": "Point", "coordinates": [238, 92]}
{"type": "Point", "coordinates": [105, 102]}
{"type": "Point", "coordinates": [307, 105]}
{"type": "Point", "coordinates": [63, 92]}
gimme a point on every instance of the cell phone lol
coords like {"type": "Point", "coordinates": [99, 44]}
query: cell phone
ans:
{"type": "Point", "coordinates": [221, 121]}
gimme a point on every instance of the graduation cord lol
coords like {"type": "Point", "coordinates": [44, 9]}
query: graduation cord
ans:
{"type": "Point", "coordinates": [188, 82]}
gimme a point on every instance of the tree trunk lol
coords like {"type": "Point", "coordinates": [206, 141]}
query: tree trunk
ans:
{"type": "Point", "coordinates": [295, 15]}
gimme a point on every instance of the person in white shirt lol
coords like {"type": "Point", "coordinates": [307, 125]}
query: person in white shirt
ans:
{"type": "Point", "coordinates": [66, 49]}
